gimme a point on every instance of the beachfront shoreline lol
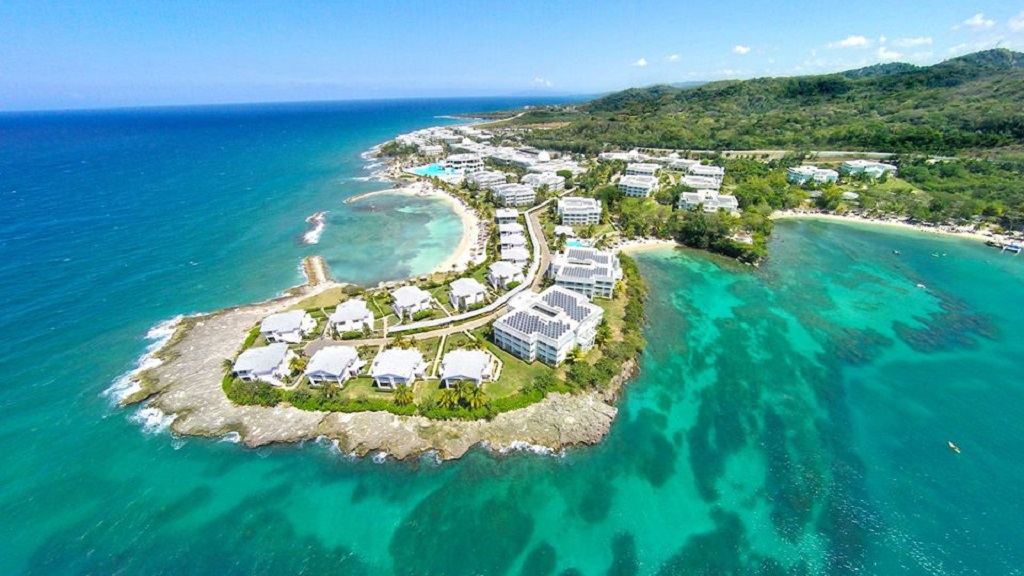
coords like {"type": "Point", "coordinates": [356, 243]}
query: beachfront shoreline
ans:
{"type": "Point", "coordinates": [964, 233]}
{"type": "Point", "coordinates": [462, 257]}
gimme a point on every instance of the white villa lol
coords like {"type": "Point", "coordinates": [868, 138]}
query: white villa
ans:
{"type": "Point", "coordinates": [554, 182]}
{"type": "Point", "coordinates": [506, 216]}
{"type": "Point", "coordinates": [501, 274]}
{"type": "Point", "coordinates": [701, 182]}
{"type": "Point", "coordinates": [641, 169]}
{"type": "Point", "coordinates": [547, 326]}
{"type": "Point", "coordinates": [430, 149]}
{"type": "Point", "coordinates": [510, 229]}
{"type": "Point", "coordinates": [507, 241]}
{"type": "Point", "coordinates": [803, 174]}
{"type": "Point", "coordinates": [266, 363]}
{"type": "Point", "coordinates": [872, 169]}
{"type": "Point", "coordinates": [514, 194]}
{"type": "Point", "coordinates": [333, 365]}
{"type": "Point", "coordinates": [638, 186]}
{"type": "Point", "coordinates": [470, 365]}
{"type": "Point", "coordinates": [466, 292]}
{"type": "Point", "coordinates": [287, 326]}
{"type": "Point", "coordinates": [487, 178]}
{"type": "Point", "coordinates": [517, 256]}
{"type": "Point", "coordinates": [397, 366]}
{"type": "Point", "coordinates": [711, 200]}
{"type": "Point", "coordinates": [575, 211]}
{"type": "Point", "coordinates": [589, 271]}
{"type": "Point", "coordinates": [563, 230]}
{"type": "Point", "coordinates": [409, 300]}
{"type": "Point", "coordinates": [464, 163]}
{"type": "Point", "coordinates": [351, 316]}
{"type": "Point", "coordinates": [716, 173]}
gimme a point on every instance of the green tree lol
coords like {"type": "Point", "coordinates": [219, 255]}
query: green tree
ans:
{"type": "Point", "coordinates": [403, 395]}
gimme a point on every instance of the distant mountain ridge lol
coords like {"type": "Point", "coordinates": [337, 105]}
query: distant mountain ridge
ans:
{"type": "Point", "coordinates": [968, 102]}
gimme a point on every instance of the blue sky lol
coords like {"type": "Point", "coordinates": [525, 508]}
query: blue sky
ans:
{"type": "Point", "coordinates": [129, 53]}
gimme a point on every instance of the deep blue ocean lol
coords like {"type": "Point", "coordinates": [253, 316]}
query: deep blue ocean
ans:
{"type": "Point", "coordinates": [791, 419]}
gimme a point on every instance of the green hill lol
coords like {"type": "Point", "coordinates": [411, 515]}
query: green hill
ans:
{"type": "Point", "coordinates": [968, 103]}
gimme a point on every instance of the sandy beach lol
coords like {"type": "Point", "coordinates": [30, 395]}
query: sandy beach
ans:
{"type": "Point", "coordinates": [962, 232]}
{"type": "Point", "coordinates": [463, 256]}
{"type": "Point", "coordinates": [641, 244]}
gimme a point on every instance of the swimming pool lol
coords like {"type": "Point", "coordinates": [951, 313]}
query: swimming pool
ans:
{"type": "Point", "coordinates": [432, 170]}
{"type": "Point", "coordinates": [579, 243]}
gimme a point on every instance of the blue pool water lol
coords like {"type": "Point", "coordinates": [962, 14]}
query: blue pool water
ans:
{"type": "Point", "coordinates": [433, 170]}
{"type": "Point", "coordinates": [578, 243]}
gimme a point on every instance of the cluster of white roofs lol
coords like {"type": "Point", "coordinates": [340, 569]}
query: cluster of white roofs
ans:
{"type": "Point", "coordinates": [334, 365]}
{"type": "Point", "coordinates": [513, 253]}
{"type": "Point", "coordinates": [872, 169]}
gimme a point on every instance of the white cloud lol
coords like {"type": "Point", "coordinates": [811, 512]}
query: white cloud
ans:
{"type": "Point", "coordinates": [640, 63]}
{"type": "Point", "coordinates": [882, 39]}
{"type": "Point", "coordinates": [976, 22]}
{"type": "Point", "coordinates": [814, 52]}
{"type": "Point", "coordinates": [672, 58]}
{"type": "Point", "coordinates": [740, 49]}
{"type": "Point", "coordinates": [884, 53]}
{"type": "Point", "coordinates": [912, 42]}
{"type": "Point", "coordinates": [851, 42]}
{"type": "Point", "coordinates": [538, 81]}
{"type": "Point", "coordinates": [1017, 22]}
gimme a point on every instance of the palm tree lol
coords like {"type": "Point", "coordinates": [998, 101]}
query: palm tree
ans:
{"type": "Point", "coordinates": [463, 389]}
{"type": "Point", "coordinates": [448, 399]}
{"type": "Point", "coordinates": [475, 397]}
{"type": "Point", "coordinates": [403, 395]}
{"type": "Point", "coordinates": [604, 332]}
{"type": "Point", "coordinates": [575, 355]}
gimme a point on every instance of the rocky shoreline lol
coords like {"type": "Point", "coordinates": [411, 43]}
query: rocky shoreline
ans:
{"type": "Point", "coordinates": [186, 386]}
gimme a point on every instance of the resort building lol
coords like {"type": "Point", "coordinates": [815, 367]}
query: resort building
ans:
{"type": "Point", "coordinates": [512, 241]}
{"type": "Point", "coordinates": [506, 216]}
{"type": "Point", "coordinates": [466, 365]}
{"type": "Point", "coordinates": [716, 173]}
{"type": "Point", "coordinates": [871, 169]}
{"type": "Point", "coordinates": [638, 186]}
{"type": "Point", "coordinates": [501, 274]}
{"type": "Point", "coordinates": [641, 169]}
{"type": "Point", "coordinates": [464, 163]}
{"type": "Point", "coordinates": [701, 182]}
{"type": "Point", "coordinates": [267, 363]}
{"type": "Point", "coordinates": [466, 292]}
{"type": "Point", "coordinates": [711, 200]}
{"type": "Point", "coordinates": [512, 229]}
{"type": "Point", "coordinates": [287, 326]}
{"type": "Point", "coordinates": [554, 182]}
{"type": "Point", "coordinates": [430, 149]}
{"type": "Point", "coordinates": [589, 271]}
{"type": "Point", "coordinates": [351, 316]}
{"type": "Point", "coordinates": [333, 365]}
{"type": "Point", "coordinates": [547, 326]}
{"type": "Point", "coordinates": [804, 174]}
{"type": "Point", "coordinates": [517, 256]}
{"type": "Point", "coordinates": [397, 366]}
{"type": "Point", "coordinates": [409, 300]}
{"type": "Point", "coordinates": [575, 211]}
{"type": "Point", "coordinates": [487, 178]}
{"type": "Point", "coordinates": [514, 194]}
{"type": "Point", "coordinates": [682, 164]}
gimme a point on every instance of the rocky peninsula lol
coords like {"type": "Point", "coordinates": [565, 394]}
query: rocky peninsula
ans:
{"type": "Point", "coordinates": [186, 386]}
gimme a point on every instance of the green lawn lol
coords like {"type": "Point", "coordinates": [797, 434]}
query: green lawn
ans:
{"type": "Point", "coordinates": [362, 386]}
{"type": "Point", "coordinates": [456, 341]}
{"type": "Point", "coordinates": [515, 373]}
{"type": "Point", "coordinates": [326, 299]}
{"type": "Point", "coordinates": [428, 347]}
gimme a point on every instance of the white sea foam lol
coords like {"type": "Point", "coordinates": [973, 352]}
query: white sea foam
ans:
{"type": "Point", "coordinates": [153, 420]}
{"type": "Point", "coordinates": [232, 437]}
{"type": "Point", "coordinates": [128, 383]}
{"type": "Point", "coordinates": [521, 446]}
{"type": "Point", "coordinates": [380, 457]}
{"type": "Point", "coordinates": [312, 236]}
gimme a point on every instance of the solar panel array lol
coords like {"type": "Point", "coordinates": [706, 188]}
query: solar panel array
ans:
{"type": "Point", "coordinates": [568, 303]}
{"type": "Point", "coordinates": [529, 323]}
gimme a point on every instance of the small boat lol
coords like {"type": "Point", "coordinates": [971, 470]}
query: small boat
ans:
{"type": "Point", "coordinates": [896, 252]}
{"type": "Point", "coordinates": [953, 447]}
{"type": "Point", "coordinates": [919, 285]}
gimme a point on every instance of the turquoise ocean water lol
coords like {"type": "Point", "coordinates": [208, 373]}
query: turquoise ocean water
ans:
{"type": "Point", "coordinates": [791, 419]}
